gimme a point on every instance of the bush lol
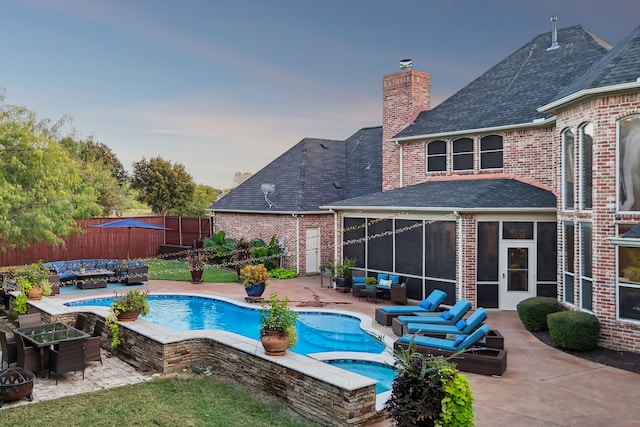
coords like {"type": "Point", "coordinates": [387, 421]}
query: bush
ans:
{"type": "Point", "coordinates": [283, 273]}
{"type": "Point", "coordinates": [533, 312]}
{"type": "Point", "coordinates": [574, 330]}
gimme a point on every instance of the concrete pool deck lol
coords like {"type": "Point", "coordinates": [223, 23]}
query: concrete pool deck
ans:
{"type": "Point", "coordinates": [542, 386]}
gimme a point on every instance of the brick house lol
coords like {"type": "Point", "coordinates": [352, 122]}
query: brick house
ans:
{"type": "Point", "coordinates": [525, 182]}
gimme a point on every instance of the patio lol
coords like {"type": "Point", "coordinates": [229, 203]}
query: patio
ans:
{"type": "Point", "coordinates": [541, 386]}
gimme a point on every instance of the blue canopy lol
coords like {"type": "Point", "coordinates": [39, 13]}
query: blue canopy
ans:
{"type": "Point", "coordinates": [130, 223]}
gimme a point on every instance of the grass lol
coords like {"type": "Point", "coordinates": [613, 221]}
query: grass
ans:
{"type": "Point", "coordinates": [177, 400]}
{"type": "Point", "coordinates": [179, 270]}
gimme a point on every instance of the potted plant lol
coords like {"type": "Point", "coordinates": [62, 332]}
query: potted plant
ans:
{"type": "Point", "coordinates": [126, 308]}
{"type": "Point", "coordinates": [370, 283]}
{"type": "Point", "coordinates": [278, 326]}
{"type": "Point", "coordinates": [254, 278]}
{"type": "Point", "coordinates": [344, 274]}
{"type": "Point", "coordinates": [197, 260]}
{"type": "Point", "coordinates": [32, 282]}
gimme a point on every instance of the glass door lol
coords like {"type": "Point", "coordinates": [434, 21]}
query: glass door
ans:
{"type": "Point", "coordinates": [517, 278]}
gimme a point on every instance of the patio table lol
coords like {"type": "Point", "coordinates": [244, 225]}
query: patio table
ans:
{"type": "Point", "coordinates": [49, 334]}
{"type": "Point", "coordinates": [92, 279]}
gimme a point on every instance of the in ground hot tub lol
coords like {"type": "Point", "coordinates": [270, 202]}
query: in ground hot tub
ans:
{"type": "Point", "coordinates": [16, 384]}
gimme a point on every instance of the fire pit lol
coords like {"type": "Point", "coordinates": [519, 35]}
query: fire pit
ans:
{"type": "Point", "coordinates": [15, 384]}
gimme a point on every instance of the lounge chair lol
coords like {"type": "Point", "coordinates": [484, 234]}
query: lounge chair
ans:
{"type": "Point", "coordinates": [463, 326]}
{"type": "Point", "coordinates": [479, 360]}
{"type": "Point", "coordinates": [448, 317]}
{"type": "Point", "coordinates": [385, 314]}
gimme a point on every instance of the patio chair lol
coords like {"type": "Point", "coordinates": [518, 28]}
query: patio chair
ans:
{"type": "Point", "coordinates": [68, 357]}
{"type": "Point", "coordinates": [29, 320]}
{"type": "Point", "coordinates": [385, 314]}
{"type": "Point", "coordinates": [9, 350]}
{"type": "Point", "coordinates": [93, 344]}
{"type": "Point", "coordinates": [463, 326]}
{"type": "Point", "coordinates": [474, 358]}
{"type": "Point", "coordinates": [448, 317]}
{"type": "Point", "coordinates": [28, 357]}
{"type": "Point", "coordinates": [81, 321]}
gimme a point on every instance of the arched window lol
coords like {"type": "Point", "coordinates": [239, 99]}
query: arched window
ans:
{"type": "Point", "coordinates": [585, 138]}
{"type": "Point", "coordinates": [437, 156]}
{"type": "Point", "coordinates": [463, 154]}
{"type": "Point", "coordinates": [629, 163]}
{"type": "Point", "coordinates": [491, 152]}
{"type": "Point", "coordinates": [568, 169]}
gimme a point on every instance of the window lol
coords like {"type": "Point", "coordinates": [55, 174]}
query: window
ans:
{"type": "Point", "coordinates": [487, 251]}
{"type": "Point", "coordinates": [568, 274]}
{"type": "Point", "coordinates": [568, 172]}
{"type": "Point", "coordinates": [491, 152]}
{"type": "Point", "coordinates": [586, 254]}
{"type": "Point", "coordinates": [463, 154]}
{"type": "Point", "coordinates": [585, 135]}
{"type": "Point", "coordinates": [628, 279]}
{"type": "Point", "coordinates": [629, 163]}
{"type": "Point", "coordinates": [517, 230]}
{"type": "Point", "coordinates": [437, 156]}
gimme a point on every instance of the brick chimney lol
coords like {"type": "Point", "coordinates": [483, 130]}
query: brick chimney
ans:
{"type": "Point", "coordinates": [404, 95]}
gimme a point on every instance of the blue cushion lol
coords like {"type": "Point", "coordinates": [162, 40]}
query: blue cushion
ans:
{"type": "Point", "coordinates": [358, 279]}
{"type": "Point", "coordinates": [461, 324]}
{"type": "Point", "coordinates": [459, 340]}
{"type": "Point", "coordinates": [446, 315]}
{"type": "Point", "coordinates": [425, 304]}
{"type": "Point", "coordinates": [383, 276]}
{"type": "Point", "coordinates": [394, 279]}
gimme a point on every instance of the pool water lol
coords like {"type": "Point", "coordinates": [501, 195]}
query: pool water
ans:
{"type": "Point", "coordinates": [380, 372]}
{"type": "Point", "coordinates": [317, 332]}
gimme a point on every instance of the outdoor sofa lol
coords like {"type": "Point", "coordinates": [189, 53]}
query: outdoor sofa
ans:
{"type": "Point", "coordinates": [130, 272]}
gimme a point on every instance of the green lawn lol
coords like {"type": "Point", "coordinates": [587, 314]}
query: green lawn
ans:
{"type": "Point", "coordinates": [184, 400]}
{"type": "Point", "coordinates": [179, 270]}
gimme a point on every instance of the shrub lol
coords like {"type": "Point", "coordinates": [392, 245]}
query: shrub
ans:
{"type": "Point", "coordinates": [283, 273]}
{"type": "Point", "coordinates": [429, 391]}
{"type": "Point", "coordinates": [574, 330]}
{"type": "Point", "coordinates": [533, 312]}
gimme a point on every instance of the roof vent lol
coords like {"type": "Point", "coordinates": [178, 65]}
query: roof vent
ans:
{"type": "Point", "coordinates": [554, 34]}
{"type": "Point", "coordinates": [406, 64]}
{"type": "Point", "coordinates": [323, 146]}
{"type": "Point", "coordinates": [337, 184]}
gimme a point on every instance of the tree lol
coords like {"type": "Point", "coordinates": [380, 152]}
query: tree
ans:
{"type": "Point", "coordinates": [239, 178]}
{"type": "Point", "coordinates": [100, 169]}
{"type": "Point", "coordinates": [162, 185]}
{"type": "Point", "coordinates": [203, 197]}
{"type": "Point", "coordinates": [41, 190]}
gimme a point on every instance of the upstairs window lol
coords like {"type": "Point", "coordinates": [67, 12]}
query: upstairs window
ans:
{"type": "Point", "coordinates": [437, 156]}
{"type": "Point", "coordinates": [491, 152]}
{"type": "Point", "coordinates": [585, 135]}
{"type": "Point", "coordinates": [568, 169]}
{"type": "Point", "coordinates": [463, 154]}
{"type": "Point", "coordinates": [629, 163]}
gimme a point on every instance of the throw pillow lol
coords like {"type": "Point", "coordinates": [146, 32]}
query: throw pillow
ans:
{"type": "Point", "coordinates": [385, 284]}
{"type": "Point", "coordinates": [459, 340]}
{"type": "Point", "coordinates": [383, 276]}
{"type": "Point", "coordinates": [394, 279]}
{"type": "Point", "coordinates": [358, 279]}
{"type": "Point", "coordinates": [446, 315]}
{"type": "Point", "coordinates": [425, 304]}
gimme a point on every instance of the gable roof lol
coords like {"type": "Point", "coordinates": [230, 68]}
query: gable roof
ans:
{"type": "Point", "coordinates": [511, 92]}
{"type": "Point", "coordinates": [303, 177]}
{"type": "Point", "coordinates": [619, 66]}
{"type": "Point", "coordinates": [363, 153]}
{"type": "Point", "coordinates": [457, 195]}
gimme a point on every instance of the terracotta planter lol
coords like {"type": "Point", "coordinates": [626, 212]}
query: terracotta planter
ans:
{"type": "Point", "coordinates": [275, 343]}
{"type": "Point", "coordinates": [196, 276]}
{"type": "Point", "coordinates": [35, 293]}
{"type": "Point", "coordinates": [255, 290]}
{"type": "Point", "coordinates": [128, 316]}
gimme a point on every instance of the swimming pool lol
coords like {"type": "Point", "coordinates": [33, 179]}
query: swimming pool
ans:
{"type": "Point", "coordinates": [381, 372]}
{"type": "Point", "coordinates": [318, 332]}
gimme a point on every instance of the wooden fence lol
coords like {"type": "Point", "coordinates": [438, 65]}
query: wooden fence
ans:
{"type": "Point", "coordinates": [112, 242]}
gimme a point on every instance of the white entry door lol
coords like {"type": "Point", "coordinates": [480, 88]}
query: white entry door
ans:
{"type": "Point", "coordinates": [312, 264]}
{"type": "Point", "coordinates": [517, 273]}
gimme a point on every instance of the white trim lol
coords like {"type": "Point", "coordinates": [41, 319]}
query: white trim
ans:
{"type": "Point", "coordinates": [534, 123]}
{"type": "Point", "coordinates": [588, 92]}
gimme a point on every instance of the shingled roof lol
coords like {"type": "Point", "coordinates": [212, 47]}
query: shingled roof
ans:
{"type": "Point", "coordinates": [312, 173]}
{"type": "Point", "coordinates": [511, 91]}
{"type": "Point", "coordinates": [620, 65]}
{"type": "Point", "coordinates": [457, 195]}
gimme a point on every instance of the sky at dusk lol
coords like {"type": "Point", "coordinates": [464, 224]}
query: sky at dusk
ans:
{"type": "Point", "coordinates": [228, 86]}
